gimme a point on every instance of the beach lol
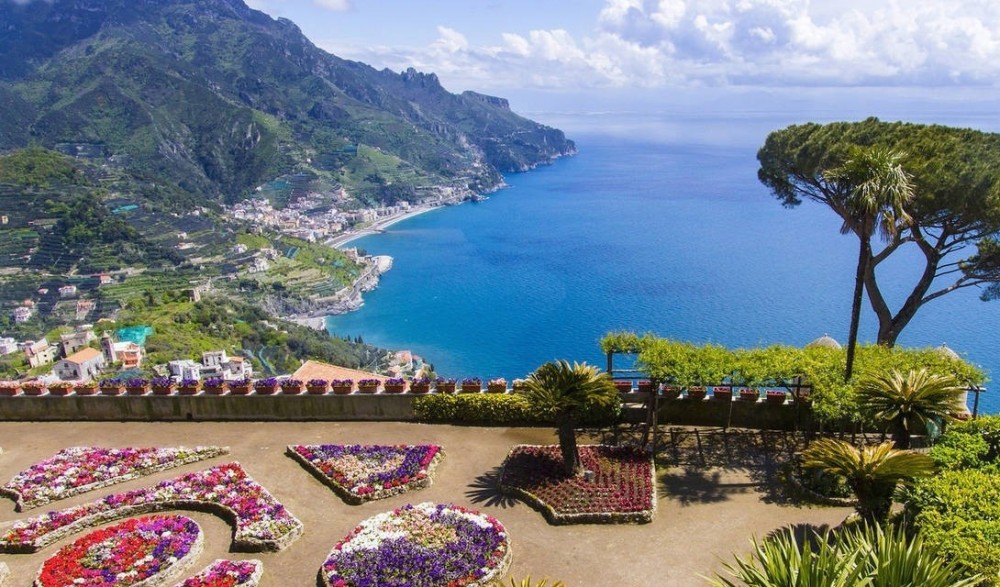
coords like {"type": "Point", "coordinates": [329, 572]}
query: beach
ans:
{"type": "Point", "coordinates": [378, 226]}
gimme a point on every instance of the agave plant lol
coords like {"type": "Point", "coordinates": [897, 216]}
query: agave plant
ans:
{"type": "Point", "coordinates": [904, 401]}
{"type": "Point", "coordinates": [872, 472]}
{"type": "Point", "coordinates": [866, 555]}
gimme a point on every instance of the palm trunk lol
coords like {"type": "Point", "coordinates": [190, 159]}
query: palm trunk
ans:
{"type": "Point", "coordinates": [567, 445]}
{"type": "Point", "coordinates": [859, 284]}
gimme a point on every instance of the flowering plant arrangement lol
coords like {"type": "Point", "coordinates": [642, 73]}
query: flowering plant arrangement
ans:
{"type": "Point", "coordinates": [110, 383]}
{"type": "Point", "coordinates": [623, 487]}
{"type": "Point", "coordinates": [441, 380]}
{"type": "Point", "coordinates": [214, 385]}
{"type": "Point", "coordinates": [395, 385]}
{"type": "Point", "coordinates": [317, 382]}
{"type": "Point", "coordinates": [33, 387]}
{"type": "Point", "coordinates": [266, 386]}
{"type": "Point", "coordinates": [749, 394]}
{"type": "Point", "coordinates": [190, 386]}
{"type": "Point", "coordinates": [60, 388]}
{"type": "Point", "coordinates": [341, 382]}
{"type": "Point", "coordinates": [395, 381]}
{"type": "Point", "coordinates": [420, 381]}
{"type": "Point", "coordinates": [360, 473]}
{"type": "Point", "coordinates": [472, 381]}
{"type": "Point", "coordinates": [227, 573]}
{"type": "Point", "coordinates": [136, 382]}
{"type": "Point", "coordinates": [292, 383]}
{"type": "Point", "coordinates": [162, 385]}
{"type": "Point", "coordinates": [497, 385]}
{"type": "Point", "coordinates": [9, 388]}
{"type": "Point", "coordinates": [81, 469]}
{"type": "Point", "coordinates": [368, 382]}
{"type": "Point", "coordinates": [420, 385]}
{"type": "Point", "coordinates": [240, 386]}
{"type": "Point", "coordinates": [261, 521]}
{"type": "Point", "coordinates": [423, 545]}
{"type": "Point", "coordinates": [368, 385]}
{"type": "Point", "coordinates": [135, 551]}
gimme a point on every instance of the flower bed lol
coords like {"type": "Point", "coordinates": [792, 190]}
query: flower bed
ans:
{"type": "Point", "coordinates": [261, 521]}
{"type": "Point", "coordinates": [360, 473]}
{"type": "Point", "coordinates": [227, 573]}
{"type": "Point", "coordinates": [85, 468]}
{"type": "Point", "coordinates": [623, 488]}
{"type": "Point", "coordinates": [142, 551]}
{"type": "Point", "coordinates": [424, 545]}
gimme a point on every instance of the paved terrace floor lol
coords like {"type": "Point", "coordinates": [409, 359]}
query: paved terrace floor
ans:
{"type": "Point", "coordinates": [715, 490]}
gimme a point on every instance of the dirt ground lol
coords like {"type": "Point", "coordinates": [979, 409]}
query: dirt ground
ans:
{"type": "Point", "coordinates": [716, 490]}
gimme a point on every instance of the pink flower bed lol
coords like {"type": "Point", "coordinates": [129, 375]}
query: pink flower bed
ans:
{"type": "Point", "coordinates": [141, 551]}
{"type": "Point", "coordinates": [85, 468]}
{"type": "Point", "coordinates": [623, 487]}
{"type": "Point", "coordinates": [227, 573]}
{"type": "Point", "coordinates": [261, 522]}
{"type": "Point", "coordinates": [360, 473]}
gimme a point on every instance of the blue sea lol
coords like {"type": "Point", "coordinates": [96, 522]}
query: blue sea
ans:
{"type": "Point", "coordinates": [674, 237]}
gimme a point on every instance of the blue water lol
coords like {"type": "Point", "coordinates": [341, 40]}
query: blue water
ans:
{"type": "Point", "coordinates": [676, 239]}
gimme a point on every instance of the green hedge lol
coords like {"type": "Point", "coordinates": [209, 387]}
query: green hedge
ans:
{"type": "Point", "coordinates": [500, 409]}
{"type": "Point", "coordinates": [970, 445]}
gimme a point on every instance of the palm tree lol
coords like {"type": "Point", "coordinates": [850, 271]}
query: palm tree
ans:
{"type": "Point", "coordinates": [872, 472]}
{"type": "Point", "coordinates": [561, 391]}
{"type": "Point", "coordinates": [875, 188]}
{"type": "Point", "coordinates": [904, 401]}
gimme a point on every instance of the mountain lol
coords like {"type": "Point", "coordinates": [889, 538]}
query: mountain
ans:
{"type": "Point", "coordinates": [205, 100]}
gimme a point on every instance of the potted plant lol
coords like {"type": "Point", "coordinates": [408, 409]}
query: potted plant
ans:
{"type": "Point", "coordinates": [645, 386]}
{"type": "Point", "coordinates": [214, 386]}
{"type": "Point", "coordinates": [33, 387]}
{"type": "Point", "coordinates": [395, 385]}
{"type": "Point", "coordinates": [162, 385]}
{"type": "Point", "coordinates": [112, 387]}
{"type": "Point", "coordinates": [189, 386]}
{"type": "Point", "coordinates": [9, 388]}
{"type": "Point", "coordinates": [623, 386]}
{"type": "Point", "coordinates": [85, 388]}
{"type": "Point", "coordinates": [240, 386]}
{"type": "Point", "coordinates": [317, 386]}
{"type": "Point", "coordinates": [774, 396]}
{"type": "Point", "coordinates": [420, 385]}
{"type": "Point", "coordinates": [671, 391]}
{"type": "Point", "coordinates": [368, 385]}
{"type": "Point", "coordinates": [266, 386]}
{"type": "Point", "coordinates": [519, 385]}
{"type": "Point", "coordinates": [749, 394]}
{"type": "Point", "coordinates": [342, 386]}
{"type": "Point", "coordinates": [496, 385]}
{"type": "Point", "coordinates": [445, 384]}
{"type": "Point", "coordinates": [722, 393]}
{"type": "Point", "coordinates": [697, 392]}
{"type": "Point", "coordinates": [292, 386]}
{"type": "Point", "coordinates": [60, 388]}
{"type": "Point", "coordinates": [472, 385]}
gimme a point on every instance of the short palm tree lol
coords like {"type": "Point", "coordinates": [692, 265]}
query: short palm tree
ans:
{"type": "Point", "coordinates": [874, 189]}
{"type": "Point", "coordinates": [872, 472]}
{"type": "Point", "coordinates": [864, 555]}
{"type": "Point", "coordinates": [561, 391]}
{"type": "Point", "coordinates": [904, 401]}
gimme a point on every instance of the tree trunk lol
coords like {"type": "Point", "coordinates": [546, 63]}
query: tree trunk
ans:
{"type": "Point", "coordinates": [900, 434]}
{"type": "Point", "coordinates": [567, 445]}
{"type": "Point", "coordinates": [859, 283]}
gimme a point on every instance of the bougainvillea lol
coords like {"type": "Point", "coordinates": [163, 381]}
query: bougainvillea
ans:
{"type": "Point", "coordinates": [424, 545]}
{"type": "Point", "coordinates": [361, 473]}
{"type": "Point", "coordinates": [619, 487]}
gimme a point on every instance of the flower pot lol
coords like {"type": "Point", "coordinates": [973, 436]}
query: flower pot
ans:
{"type": "Point", "coordinates": [645, 386]}
{"type": "Point", "coordinates": [367, 388]}
{"type": "Point", "coordinates": [445, 388]}
{"type": "Point", "coordinates": [623, 386]}
{"type": "Point", "coordinates": [33, 389]}
{"type": "Point", "coordinates": [472, 388]}
{"type": "Point", "coordinates": [112, 389]}
{"type": "Point", "coordinates": [671, 392]}
{"type": "Point", "coordinates": [776, 397]}
{"type": "Point", "coordinates": [10, 390]}
{"type": "Point", "coordinates": [749, 395]}
{"type": "Point", "coordinates": [395, 387]}
{"type": "Point", "coordinates": [60, 390]}
{"type": "Point", "coordinates": [696, 393]}
{"type": "Point", "coordinates": [215, 389]}
{"type": "Point", "coordinates": [317, 389]}
{"type": "Point", "coordinates": [163, 389]}
{"type": "Point", "coordinates": [265, 389]}
{"type": "Point", "coordinates": [240, 389]}
{"type": "Point", "coordinates": [496, 388]}
{"type": "Point", "coordinates": [722, 393]}
{"type": "Point", "coordinates": [86, 389]}
{"type": "Point", "coordinates": [140, 390]}
{"type": "Point", "coordinates": [342, 389]}
{"type": "Point", "coordinates": [292, 389]}
{"type": "Point", "coordinates": [420, 387]}
{"type": "Point", "coordinates": [189, 389]}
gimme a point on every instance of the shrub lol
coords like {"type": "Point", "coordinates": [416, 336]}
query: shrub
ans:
{"type": "Point", "coordinates": [970, 445]}
{"type": "Point", "coordinates": [496, 409]}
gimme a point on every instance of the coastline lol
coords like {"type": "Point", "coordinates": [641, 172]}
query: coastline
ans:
{"type": "Point", "coordinates": [377, 226]}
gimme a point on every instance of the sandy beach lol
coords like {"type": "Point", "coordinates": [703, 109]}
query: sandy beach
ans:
{"type": "Point", "coordinates": [377, 226]}
{"type": "Point", "coordinates": [711, 498]}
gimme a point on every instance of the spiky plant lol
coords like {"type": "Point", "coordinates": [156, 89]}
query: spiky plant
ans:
{"type": "Point", "coordinates": [560, 391]}
{"type": "Point", "coordinates": [872, 472]}
{"type": "Point", "coordinates": [865, 555]}
{"type": "Point", "coordinates": [527, 583]}
{"type": "Point", "coordinates": [905, 401]}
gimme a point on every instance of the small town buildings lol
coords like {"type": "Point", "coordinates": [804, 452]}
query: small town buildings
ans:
{"type": "Point", "coordinates": [184, 369]}
{"type": "Point", "coordinates": [7, 346]}
{"type": "Point", "coordinates": [40, 353]}
{"type": "Point", "coordinates": [104, 279]}
{"type": "Point", "coordinates": [219, 364]}
{"type": "Point", "coordinates": [70, 343]}
{"type": "Point", "coordinates": [129, 354]}
{"type": "Point", "coordinates": [67, 291]}
{"type": "Point", "coordinates": [21, 314]}
{"type": "Point", "coordinates": [83, 365]}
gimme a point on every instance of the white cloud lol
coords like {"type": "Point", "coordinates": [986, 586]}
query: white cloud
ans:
{"type": "Point", "coordinates": [335, 5]}
{"type": "Point", "coordinates": [651, 43]}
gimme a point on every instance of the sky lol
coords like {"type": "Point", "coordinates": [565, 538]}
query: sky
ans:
{"type": "Point", "coordinates": [687, 56]}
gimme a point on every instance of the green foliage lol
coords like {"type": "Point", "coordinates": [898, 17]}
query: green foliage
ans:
{"type": "Point", "coordinates": [872, 472]}
{"type": "Point", "coordinates": [499, 409]}
{"type": "Point", "coordinates": [959, 513]}
{"type": "Point", "coordinates": [623, 341]}
{"type": "Point", "coordinates": [905, 402]}
{"type": "Point", "coordinates": [866, 555]}
{"type": "Point", "coordinates": [37, 167]}
{"type": "Point", "coordinates": [974, 444]}
{"type": "Point", "coordinates": [558, 390]}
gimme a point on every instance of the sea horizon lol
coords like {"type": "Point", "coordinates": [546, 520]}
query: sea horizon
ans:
{"type": "Point", "coordinates": [674, 237]}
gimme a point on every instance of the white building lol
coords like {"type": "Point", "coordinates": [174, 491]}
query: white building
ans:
{"type": "Point", "coordinates": [186, 369]}
{"type": "Point", "coordinates": [21, 314]}
{"type": "Point", "coordinates": [83, 365]}
{"type": "Point", "coordinates": [7, 346]}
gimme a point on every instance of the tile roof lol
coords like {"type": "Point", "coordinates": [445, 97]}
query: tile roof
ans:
{"type": "Point", "coordinates": [83, 355]}
{"type": "Point", "coordinates": [320, 370]}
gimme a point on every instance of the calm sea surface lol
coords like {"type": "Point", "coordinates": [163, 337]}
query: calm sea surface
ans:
{"type": "Point", "coordinates": [677, 239]}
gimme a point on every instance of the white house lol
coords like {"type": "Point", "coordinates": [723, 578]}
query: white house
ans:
{"type": "Point", "coordinates": [83, 365]}
{"type": "Point", "coordinates": [67, 291]}
{"type": "Point", "coordinates": [40, 353]}
{"type": "Point", "coordinates": [22, 314]}
{"type": "Point", "coordinates": [7, 346]}
{"type": "Point", "coordinates": [185, 369]}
